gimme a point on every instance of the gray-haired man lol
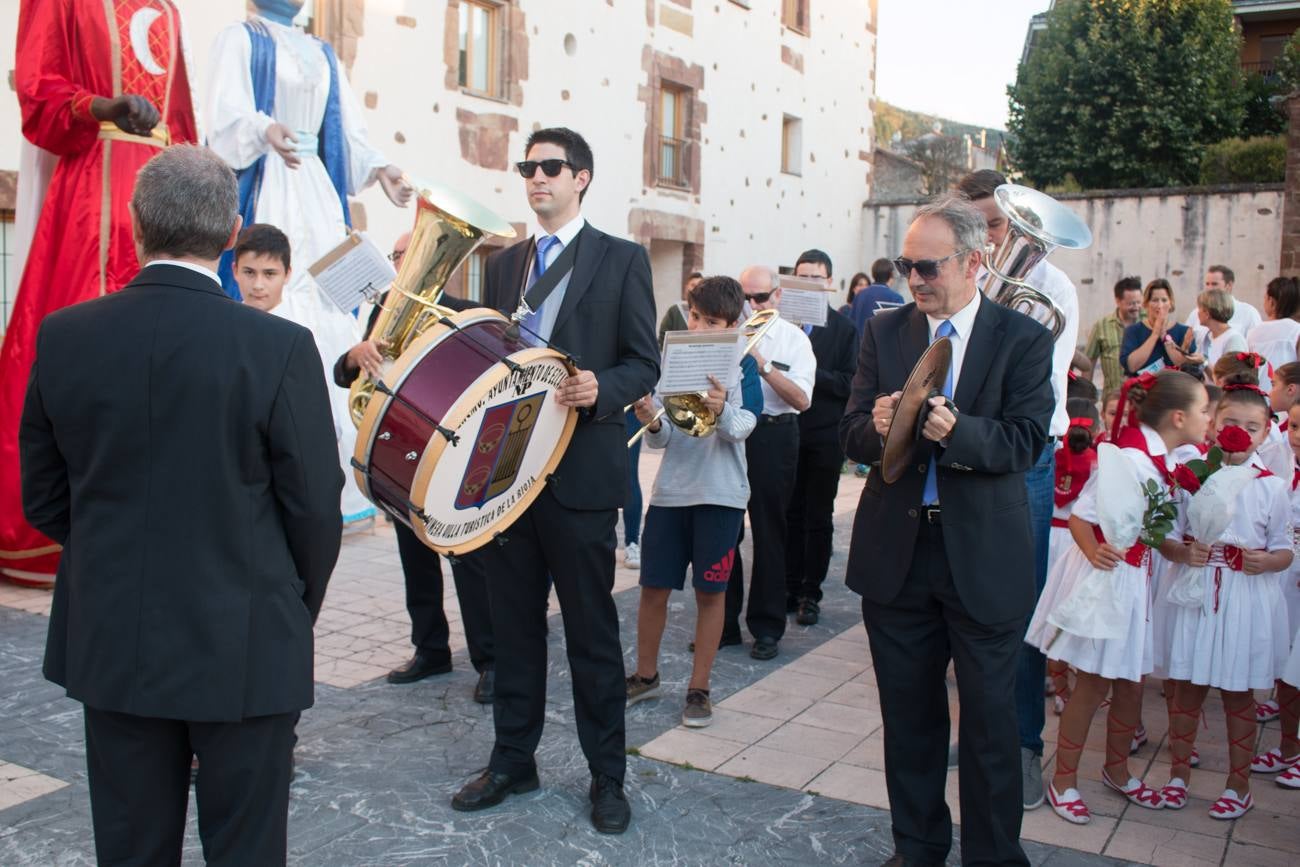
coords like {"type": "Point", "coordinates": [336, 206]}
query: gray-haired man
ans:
{"type": "Point", "coordinates": [943, 557]}
{"type": "Point", "coordinates": [179, 445]}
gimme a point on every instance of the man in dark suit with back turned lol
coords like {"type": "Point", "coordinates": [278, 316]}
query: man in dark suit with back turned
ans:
{"type": "Point", "coordinates": [179, 445]}
{"type": "Point", "coordinates": [943, 557]}
{"type": "Point", "coordinates": [602, 313]}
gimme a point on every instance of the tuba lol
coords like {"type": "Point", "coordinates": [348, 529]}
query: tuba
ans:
{"type": "Point", "coordinates": [687, 412]}
{"type": "Point", "coordinates": [1036, 225]}
{"type": "Point", "coordinates": [448, 227]}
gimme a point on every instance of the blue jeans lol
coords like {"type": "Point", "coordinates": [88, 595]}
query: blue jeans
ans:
{"type": "Point", "coordinates": [632, 505]}
{"type": "Point", "coordinates": [1030, 713]}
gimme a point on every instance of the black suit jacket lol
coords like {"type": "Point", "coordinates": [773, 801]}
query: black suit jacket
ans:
{"type": "Point", "coordinates": [180, 447]}
{"type": "Point", "coordinates": [606, 322]}
{"type": "Point", "coordinates": [836, 346]}
{"type": "Point", "coordinates": [1004, 400]}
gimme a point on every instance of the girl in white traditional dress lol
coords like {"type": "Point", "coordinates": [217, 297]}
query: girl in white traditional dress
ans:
{"type": "Point", "coordinates": [1075, 461]}
{"type": "Point", "coordinates": [1237, 638]}
{"type": "Point", "coordinates": [1169, 410]}
{"type": "Point", "coordinates": [1284, 759]}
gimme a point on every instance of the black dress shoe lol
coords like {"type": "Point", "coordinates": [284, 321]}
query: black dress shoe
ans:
{"type": "Point", "coordinates": [609, 810]}
{"type": "Point", "coordinates": [808, 612]}
{"type": "Point", "coordinates": [491, 789]}
{"type": "Point", "coordinates": [900, 861]}
{"type": "Point", "coordinates": [485, 689]}
{"type": "Point", "coordinates": [764, 648]}
{"type": "Point", "coordinates": [418, 667]}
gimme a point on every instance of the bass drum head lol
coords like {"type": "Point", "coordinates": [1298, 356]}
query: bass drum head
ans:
{"type": "Point", "coordinates": [510, 436]}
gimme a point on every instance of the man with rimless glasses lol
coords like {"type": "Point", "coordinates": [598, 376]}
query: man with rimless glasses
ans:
{"type": "Point", "coordinates": [601, 313]}
{"type": "Point", "coordinates": [943, 557]}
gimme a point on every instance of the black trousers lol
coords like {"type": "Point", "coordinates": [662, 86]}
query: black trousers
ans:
{"type": "Point", "coordinates": [810, 519]}
{"type": "Point", "coordinates": [422, 569]}
{"type": "Point", "coordinates": [139, 775]}
{"type": "Point", "coordinates": [772, 452]}
{"type": "Point", "coordinates": [576, 548]}
{"type": "Point", "coordinates": [912, 640]}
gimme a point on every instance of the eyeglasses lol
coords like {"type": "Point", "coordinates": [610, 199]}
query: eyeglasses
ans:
{"type": "Point", "coordinates": [927, 268]}
{"type": "Point", "coordinates": [758, 297]}
{"type": "Point", "coordinates": [550, 168]}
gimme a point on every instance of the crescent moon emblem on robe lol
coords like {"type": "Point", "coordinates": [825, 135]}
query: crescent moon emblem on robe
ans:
{"type": "Point", "coordinates": [140, 24]}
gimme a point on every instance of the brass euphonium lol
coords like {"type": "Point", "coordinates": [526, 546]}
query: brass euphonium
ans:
{"type": "Point", "coordinates": [1036, 225]}
{"type": "Point", "coordinates": [448, 227]}
{"type": "Point", "coordinates": [687, 412]}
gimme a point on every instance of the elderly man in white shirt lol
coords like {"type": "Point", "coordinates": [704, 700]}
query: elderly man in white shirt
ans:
{"type": "Point", "coordinates": [1041, 480]}
{"type": "Point", "coordinates": [788, 370]}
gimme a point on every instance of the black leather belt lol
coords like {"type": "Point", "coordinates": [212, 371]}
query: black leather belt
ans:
{"type": "Point", "coordinates": [783, 418]}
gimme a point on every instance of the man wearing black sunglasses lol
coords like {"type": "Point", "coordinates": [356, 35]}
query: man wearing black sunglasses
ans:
{"type": "Point", "coordinates": [943, 557]}
{"type": "Point", "coordinates": [601, 312]}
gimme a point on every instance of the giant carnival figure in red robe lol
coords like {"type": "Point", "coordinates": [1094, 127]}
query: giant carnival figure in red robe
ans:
{"type": "Point", "coordinates": [102, 85]}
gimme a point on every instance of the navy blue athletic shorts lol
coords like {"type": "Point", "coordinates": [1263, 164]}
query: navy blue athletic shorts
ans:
{"type": "Point", "coordinates": [702, 537]}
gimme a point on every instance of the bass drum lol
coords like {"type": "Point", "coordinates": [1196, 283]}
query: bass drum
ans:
{"type": "Point", "coordinates": [464, 431]}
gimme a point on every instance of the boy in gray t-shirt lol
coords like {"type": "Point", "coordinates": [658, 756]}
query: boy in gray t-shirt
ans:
{"type": "Point", "coordinates": [696, 510]}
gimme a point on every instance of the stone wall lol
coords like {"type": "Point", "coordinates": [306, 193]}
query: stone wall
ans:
{"type": "Point", "coordinates": [1170, 233]}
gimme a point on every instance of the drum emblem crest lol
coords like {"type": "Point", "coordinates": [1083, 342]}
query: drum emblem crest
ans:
{"type": "Point", "coordinates": [498, 450]}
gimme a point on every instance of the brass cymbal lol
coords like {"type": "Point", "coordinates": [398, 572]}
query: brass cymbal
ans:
{"type": "Point", "coordinates": [925, 380]}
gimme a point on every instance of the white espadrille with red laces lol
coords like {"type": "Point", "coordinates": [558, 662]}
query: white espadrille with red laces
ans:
{"type": "Point", "coordinates": [1231, 805]}
{"type": "Point", "coordinates": [1174, 793]}
{"type": "Point", "coordinates": [1137, 792]}
{"type": "Point", "coordinates": [1069, 805]}
{"type": "Point", "coordinates": [1289, 779]}
{"type": "Point", "coordinates": [1267, 711]}
{"type": "Point", "coordinates": [1272, 762]}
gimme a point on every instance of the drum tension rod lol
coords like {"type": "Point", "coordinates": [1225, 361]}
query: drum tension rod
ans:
{"type": "Point", "coordinates": [360, 467]}
{"type": "Point", "coordinates": [500, 538]}
{"type": "Point", "coordinates": [449, 435]}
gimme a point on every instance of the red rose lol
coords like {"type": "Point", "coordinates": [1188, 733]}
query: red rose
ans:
{"type": "Point", "coordinates": [1186, 479]}
{"type": "Point", "coordinates": [1233, 439]}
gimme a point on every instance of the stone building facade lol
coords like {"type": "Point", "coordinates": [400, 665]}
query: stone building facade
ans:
{"type": "Point", "coordinates": [725, 132]}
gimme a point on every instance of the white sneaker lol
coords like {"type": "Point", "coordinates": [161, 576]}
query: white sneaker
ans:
{"type": "Point", "coordinates": [632, 556]}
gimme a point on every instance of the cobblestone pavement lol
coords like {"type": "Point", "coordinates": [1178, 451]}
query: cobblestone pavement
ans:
{"type": "Point", "coordinates": [790, 772]}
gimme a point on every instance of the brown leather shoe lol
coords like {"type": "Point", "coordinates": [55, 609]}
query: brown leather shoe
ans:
{"type": "Point", "coordinates": [491, 789]}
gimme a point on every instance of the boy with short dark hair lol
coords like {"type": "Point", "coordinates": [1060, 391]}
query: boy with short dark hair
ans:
{"type": "Point", "coordinates": [262, 266]}
{"type": "Point", "coordinates": [696, 510]}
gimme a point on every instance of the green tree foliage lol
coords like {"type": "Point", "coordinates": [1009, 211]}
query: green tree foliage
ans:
{"type": "Point", "coordinates": [1126, 93]}
{"type": "Point", "coordinates": [1288, 65]}
{"type": "Point", "coordinates": [1258, 160]}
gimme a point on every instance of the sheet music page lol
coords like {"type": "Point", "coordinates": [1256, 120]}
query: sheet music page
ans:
{"type": "Point", "coordinates": [354, 271]}
{"type": "Point", "coordinates": [804, 301]}
{"type": "Point", "coordinates": [690, 357]}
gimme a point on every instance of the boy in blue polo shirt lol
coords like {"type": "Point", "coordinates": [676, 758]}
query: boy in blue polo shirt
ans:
{"type": "Point", "coordinates": [696, 510]}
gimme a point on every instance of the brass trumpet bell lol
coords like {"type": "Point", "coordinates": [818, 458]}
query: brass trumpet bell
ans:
{"type": "Point", "coordinates": [448, 228]}
{"type": "Point", "coordinates": [687, 412]}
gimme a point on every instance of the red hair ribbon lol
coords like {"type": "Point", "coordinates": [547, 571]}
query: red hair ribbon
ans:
{"type": "Point", "coordinates": [1245, 386]}
{"type": "Point", "coordinates": [1144, 382]}
{"type": "Point", "coordinates": [1085, 423]}
{"type": "Point", "coordinates": [1254, 359]}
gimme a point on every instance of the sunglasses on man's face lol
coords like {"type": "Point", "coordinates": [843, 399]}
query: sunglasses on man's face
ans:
{"type": "Point", "coordinates": [758, 297]}
{"type": "Point", "coordinates": [550, 168]}
{"type": "Point", "coordinates": [927, 268]}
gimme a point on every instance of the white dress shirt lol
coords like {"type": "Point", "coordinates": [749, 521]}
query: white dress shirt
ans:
{"type": "Point", "coordinates": [551, 309]}
{"type": "Point", "coordinates": [198, 269]}
{"type": "Point", "coordinates": [785, 343]}
{"type": "Point", "coordinates": [962, 323]}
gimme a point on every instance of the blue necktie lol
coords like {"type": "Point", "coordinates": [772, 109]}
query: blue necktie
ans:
{"type": "Point", "coordinates": [533, 321]}
{"type": "Point", "coordinates": [930, 495]}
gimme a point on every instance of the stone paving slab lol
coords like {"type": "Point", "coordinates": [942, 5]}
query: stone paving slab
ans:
{"type": "Point", "coordinates": [377, 764]}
